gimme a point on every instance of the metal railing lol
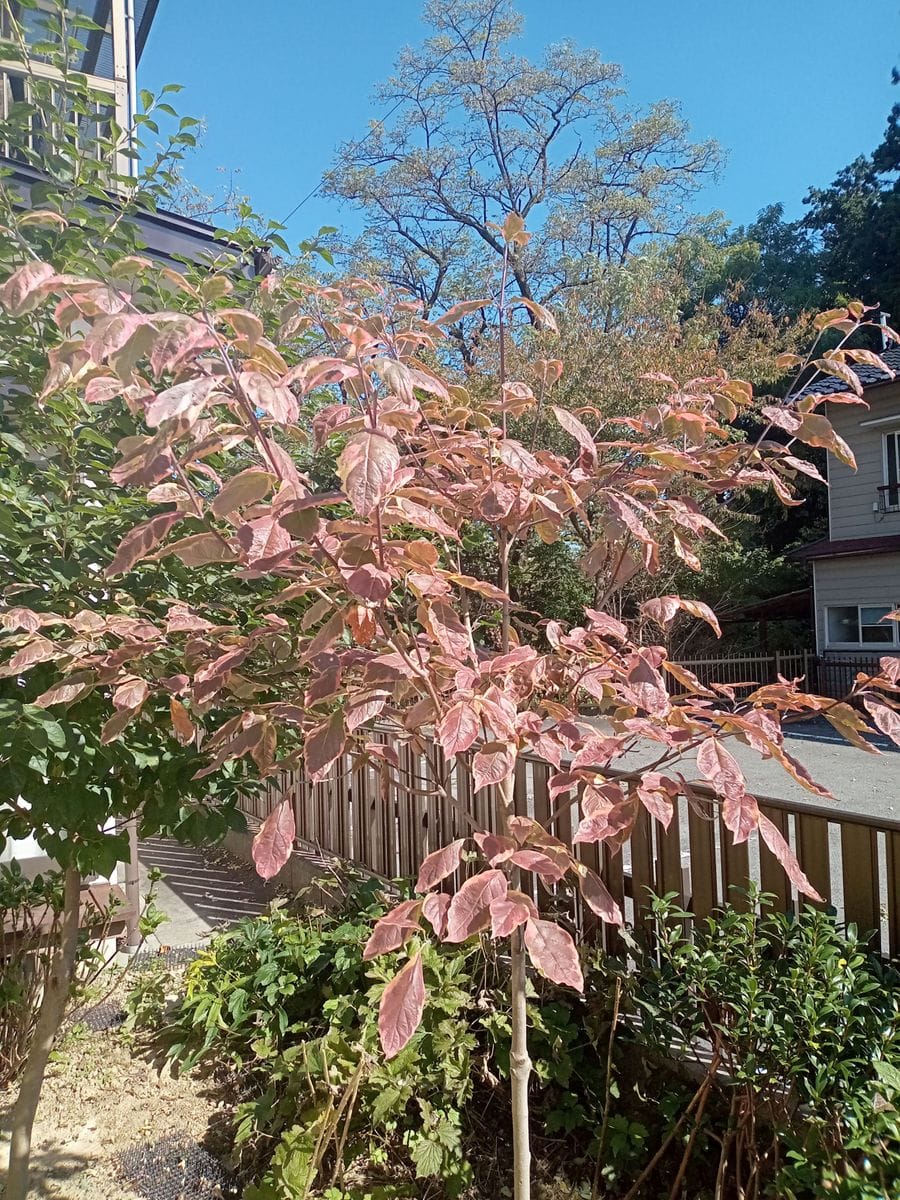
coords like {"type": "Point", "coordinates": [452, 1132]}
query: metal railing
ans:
{"type": "Point", "coordinates": [387, 820]}
{"type": "Point", "coordinates": [743, 670]}
{"type": "Point", "coordinates": [889, 497]}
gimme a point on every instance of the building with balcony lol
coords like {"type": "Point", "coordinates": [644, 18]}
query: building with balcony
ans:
{"type": "Point", "coordinates": [108, 57]}
{"type": "Point", "coordinates": [856, 568]}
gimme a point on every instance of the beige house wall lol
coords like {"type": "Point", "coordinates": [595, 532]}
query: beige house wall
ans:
{"type": "Point", "coordinates": [864, 579]}
{"type": "Point", "coordinates": [853, 495]}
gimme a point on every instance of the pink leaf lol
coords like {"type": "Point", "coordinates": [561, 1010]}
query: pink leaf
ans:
{"type": "Point", "coordinates": [324, 745]}
{"type": "Point", "coordinates": [242, 489]}
{"type": "Point", "coordinates": [495, 849]}
{"type": "Point", "coordinates": [434, 909]}
{"type": "Point", "coordinates": [369, 583]}
{"type": "Point", "coordinates": [493, 763]}
{"type": "Point", "coordinates": [598, 899]}
{"type": "Point", "coordinates": [657, 794]}
{"type": "Point", "coordinates": [277, 401]}
{"type": "Point", "coordinates": [740, 814]}
{"type": "Point", "coordinates": [571, 424]}
{"type": "Point", "coordinates": [130, 694]}
{"type": "Point", "coordinates": [720, 767]}
{"type": "Point", "coordinates": [27, 287]}
{"type": "Point", "coordinates": [140, 541]}
{"type": "Point", "coordinates": [554, 953]}
{"type": "Point", "coordinates": [469, 909]}
{"type": "Point", "coordinates": [509, 912]}
{"type": "Point", "coordinates": [549, 867]}
{"type": "Point", "coordinates": [273, 843]}
{"type": "Point", "coordinates": [664, 608]}
{"type": "Point", "coordinates": [773, 838]}
{"type": "Point", "coordinates": [179, 400]}
{"type": "Point", "coordinates": [458, 728]}
{"type": "Point", "coordinates": [887, 720]}
{"type": "Point", "coordinates": [437, 866]}
{"type": "Point", "coordinates": [393, 929]}
{"type": "Point", "coordinates": [402, 1005]}
{"type": "Point", "coordinates": [447, 629]}
{"type": "Point", "coordinates": [367, 467]}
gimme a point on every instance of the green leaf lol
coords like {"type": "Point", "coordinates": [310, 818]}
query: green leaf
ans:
{"type": "Point", "coordinates": [428, 1156]}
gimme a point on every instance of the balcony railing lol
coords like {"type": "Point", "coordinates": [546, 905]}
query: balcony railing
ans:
{"type": "Point", "coordinates": [889, 498]}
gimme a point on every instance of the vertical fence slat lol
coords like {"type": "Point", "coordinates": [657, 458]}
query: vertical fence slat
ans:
{"type": "Point", "coordinates": [892, 841]}
{"type": "Point", "coordinates": [613, 874]}
{"type": "Point", "coordinates": [771, 873]}
{"type": "Point", "coordinates": [735, 869]}
{"type": "Point", "coordinates": [859, 869]}
{"type": "Point", "coordinates": [812, 850]}
{"type": "Point", "coordinates": [642, 874]}
{"type": "Point", "coordinates": [702, 843]}
{"type": "Point", "coordinates": [670, 874]}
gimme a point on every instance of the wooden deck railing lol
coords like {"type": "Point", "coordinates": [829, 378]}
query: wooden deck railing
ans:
{"type": "Point", "coordinates": [387, 823]}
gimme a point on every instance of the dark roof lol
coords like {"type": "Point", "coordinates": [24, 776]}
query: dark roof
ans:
{"type": "Point", "coordinates": [787, 606]}
{"type": "Point", "coordinates": [848, 547]}
{"type": "Point", "coordinates": [867, 375]}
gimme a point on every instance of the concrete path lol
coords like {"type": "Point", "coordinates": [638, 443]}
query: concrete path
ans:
{"type": "Point", "coordinates": [202, 890]}
{"type": "Point", "coordinates": [860, 782]}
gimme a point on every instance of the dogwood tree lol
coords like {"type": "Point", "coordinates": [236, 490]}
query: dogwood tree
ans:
{"type": "Point", "coordinates": [368, 617]}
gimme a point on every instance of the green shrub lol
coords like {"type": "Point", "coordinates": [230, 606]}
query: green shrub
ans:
{"type": "Point", "coordinates": [805, 1026]}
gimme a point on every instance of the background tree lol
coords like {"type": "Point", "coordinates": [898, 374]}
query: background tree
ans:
{"type": "Point", "coordinates": [475, 131]}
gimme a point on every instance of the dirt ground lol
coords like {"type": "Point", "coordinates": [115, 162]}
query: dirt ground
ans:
{"type": "Point", "coordinates": [101, 1098]}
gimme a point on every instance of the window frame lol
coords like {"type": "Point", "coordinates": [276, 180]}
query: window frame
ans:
{"type": "Point", "coordinates": [870, 647]}
{"type": "Point", "coordinates": [890, 436]}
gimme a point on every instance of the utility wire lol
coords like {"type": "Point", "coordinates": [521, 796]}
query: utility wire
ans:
{"type": "Point", "coordinates": [383, 120]}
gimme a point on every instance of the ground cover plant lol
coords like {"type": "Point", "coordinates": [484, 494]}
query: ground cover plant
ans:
{"type": "Point", "coordinates": [758, 1058]}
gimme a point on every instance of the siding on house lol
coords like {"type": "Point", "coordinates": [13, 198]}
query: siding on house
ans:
{"type": "Point", "coordinates": [865, 579]}
{"type": "Point", "coordinates": [853, 494]}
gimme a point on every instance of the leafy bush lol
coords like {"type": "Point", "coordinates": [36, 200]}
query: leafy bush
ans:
{"type": "Point", "coordinates": [804, 1026]}
{"type": "Point", "coordinates": [30, 919]}
{"type": "Point", "coordinates": [288, 1007]}
{"type": "Point", "coordinates": [801, 1022]}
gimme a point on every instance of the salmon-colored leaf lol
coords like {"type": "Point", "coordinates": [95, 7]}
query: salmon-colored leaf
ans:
{"type": "Point", "coordinates": [323, 745]}
{"type": "Point", "coordinates": [509, 912]}
{"type": "Point", "coordinates": [597, 897]}
{"type": "Point", "coordinates": [772, 836]}
{"type": "Point", "coordinates": [273, 843]}
{"type": "Point", "coordinates": [401, 1008]}
{"type": "Point", "coordinates": [493, 763]}
{"type": "Point", "coordinates": [439, 865]}
{"type": "Point", "coordinates": [434, 909]}
{"type": "Point", "coordinates": [393, 929]}
{"type": "Point", "coordinates": [469, 910]}
{"type": "Point", "coordinates": [554, 953]}
{"type": "Point", "coordinates": [140, 541]}
{"type": "Point", "coordinates": [458, 728]}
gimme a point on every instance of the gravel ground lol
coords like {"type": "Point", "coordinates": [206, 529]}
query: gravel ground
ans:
{"type": "Point", "coordinates": [99, 1100]}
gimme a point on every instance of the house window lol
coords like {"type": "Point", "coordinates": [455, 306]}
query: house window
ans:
{"type": "Point", "coordinates": [891, 491]}
{"type": "Point", "coordinates": [861, 625]}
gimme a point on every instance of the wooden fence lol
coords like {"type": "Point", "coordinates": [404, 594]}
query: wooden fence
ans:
{"type": "Point", "coordinates": [386, 822]}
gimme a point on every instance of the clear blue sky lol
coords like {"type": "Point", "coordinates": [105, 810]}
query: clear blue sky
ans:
{"type": "Point", "coordinates": [793, 89]}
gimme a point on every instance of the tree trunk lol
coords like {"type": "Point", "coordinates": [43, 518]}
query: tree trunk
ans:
{"type": "Point", "coordinates": [53, 1007]}
{"type": "Point", "coordinates": [519, 1060]}
{"type": "Point", "coordinates": [519, 1071]}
